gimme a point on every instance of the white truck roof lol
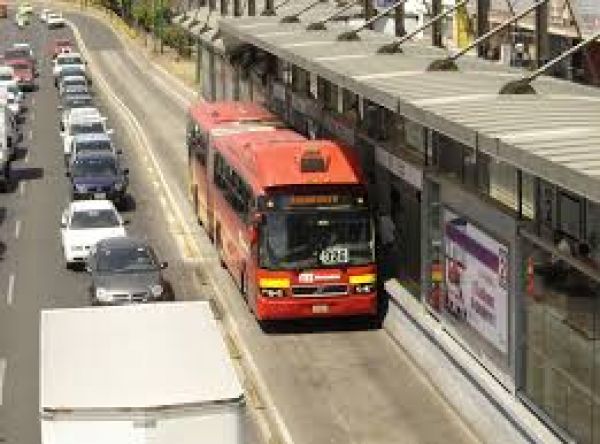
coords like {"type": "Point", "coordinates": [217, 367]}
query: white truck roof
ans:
{"type": "Point", "coordinates": [133, 357]}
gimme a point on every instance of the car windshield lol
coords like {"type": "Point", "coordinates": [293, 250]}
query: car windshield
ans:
{"type": "Point", "coordinates": [126, 260]}
{"type": "Point", "coordinates": [78, 102]}
{"type": "Point", "coordinates": [94, 166]}
{"type": "Point", "coordinates": [63, 43]}
{"type": "Point", "coordinates": [69, 61]}
{"type": "Point", "coordinates": [93, 145]}
{"type": "Point", "coordinates": [16, 53]}
{"type": "Point", "coordinates": [5, 76]}
{"type": "Point", "coordinates": [20, 66]}
{"type": "Point", "coordinates": [94, 219]}
{"type": "Point", "coordinates": [316, 238]}
{"type": "Point", "coordinates": [88, 128]}
{"type": "Point", "coordinates": [13, 89]}
{"type": "Point", "coordinates": [79, 81]}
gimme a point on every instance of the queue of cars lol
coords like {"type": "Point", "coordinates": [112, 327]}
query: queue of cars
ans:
{"type": "Point", "coordinates": [122, 269]}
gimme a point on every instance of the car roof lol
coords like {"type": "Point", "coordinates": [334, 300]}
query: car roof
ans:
{"type": "Point", "coordinates": [69, 54]}
{"type": "Point", "coordinates": [5, 69]}
{"type": "Point", "coordinates": [21, 45]}
{"type": "Point", "coordinates": [74, 77]}
{"type": "Point", "coordinates": [83, 205]}
{"type": "Point", "coordinates": [85, 112]}
{"type": "Point", "coordinates": [122, 242]}
{"type": "Point", "coordinates": [76, 97]}
{"type": "Point", "coordinates": [92, 137]}
{"type": "Point", "coordinates": [95, 155]}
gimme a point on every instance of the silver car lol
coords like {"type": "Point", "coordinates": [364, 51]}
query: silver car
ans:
{"type": "Point", "coordinates": [125, 270]}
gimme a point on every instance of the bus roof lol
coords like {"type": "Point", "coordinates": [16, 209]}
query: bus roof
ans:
{"type": "Point", "coordinates": [283, 158]}
{"type": "Point", "coordinates": [210, 115]}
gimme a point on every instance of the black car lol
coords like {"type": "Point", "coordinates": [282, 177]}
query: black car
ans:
{"type": "Point", "coordinates": [98, 175]}
{"type": "Point", "coordinates": [126, 270]}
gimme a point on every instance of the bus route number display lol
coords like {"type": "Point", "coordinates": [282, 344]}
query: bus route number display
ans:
{"type": "Point", "coordinates": [334, 255]}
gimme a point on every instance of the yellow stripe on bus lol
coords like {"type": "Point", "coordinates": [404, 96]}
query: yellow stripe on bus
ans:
{"type": "Point", "coordinates": [363, 279]}
{"type": "Point", "coordinates": [274, 283]}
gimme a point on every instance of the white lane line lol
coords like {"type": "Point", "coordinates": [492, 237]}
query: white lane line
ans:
{"type": "Point", "coordinates": [27, 157]}
{"type": "Point", "coordinates": [2, 373]}
{"type": "Point", "coordinates": [30, 134]}
{"type": "Point", "coordinates": [10, 297]}
{"type": "Point", "coordinates": [32, 117]}
{"type": "Point", "coordinates": [18, 228]}
{"type": "Point", "coordinates": [33, 101]}
{"type": "Point", "coordinates": [22, 188]}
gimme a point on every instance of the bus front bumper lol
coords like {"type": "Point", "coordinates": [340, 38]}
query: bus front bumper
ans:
{"type": "Point", "coordinates": [296, 308]}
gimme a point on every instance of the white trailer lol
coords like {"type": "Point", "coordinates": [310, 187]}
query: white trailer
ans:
{"type": "Point", "coordinates": [151, 373]}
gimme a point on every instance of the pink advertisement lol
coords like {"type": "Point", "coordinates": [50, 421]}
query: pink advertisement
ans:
{"type": "Point", "coordinates": [476, 280]}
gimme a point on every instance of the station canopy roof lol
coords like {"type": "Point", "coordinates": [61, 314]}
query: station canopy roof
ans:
{"type": "Point", "coordinates": [553, 134]}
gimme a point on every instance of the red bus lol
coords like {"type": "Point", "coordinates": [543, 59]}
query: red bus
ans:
{"type": "Point", "coordinates": [292, 224]}
{"type": "Point", "coordinates": [206, 121]}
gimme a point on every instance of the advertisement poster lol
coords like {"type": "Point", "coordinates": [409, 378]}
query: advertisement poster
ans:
{"type": "Point", "coordinates": [476, 280]}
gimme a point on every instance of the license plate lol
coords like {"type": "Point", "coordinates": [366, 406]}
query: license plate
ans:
{"type": "Point", "coordinates": [99, 195]}
{"type": "Point", "coordinates": [320, 309]}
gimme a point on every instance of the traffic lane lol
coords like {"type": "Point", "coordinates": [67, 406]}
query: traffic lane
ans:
{"type": "Point", "coordinates": [39, 281]}
{"type": "Point", "coordinates": [300, 366]}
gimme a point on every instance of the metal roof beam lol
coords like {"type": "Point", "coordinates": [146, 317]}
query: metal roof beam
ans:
{"type": "Point", "coordinates": [295, 18]}
{"type": "Point", "coordinates": [523, 86]}
{"type": "Point", "coordinates": [320, 25]}
{"type": "Point", "coordinates": [353, 33]}
{"type": "Point", "coordinates": [395, 47]}
{"type": "Point", "coordinates": [448, 63]}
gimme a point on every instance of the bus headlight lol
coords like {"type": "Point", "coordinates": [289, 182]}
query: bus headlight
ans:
{"type": "Point", "coordinates": [364, 288]}
{"type": "Point", "coordinates": [272, 292]}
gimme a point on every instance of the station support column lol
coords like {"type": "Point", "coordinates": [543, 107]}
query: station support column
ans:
{"type": "Point", "coordinates": [436, 29]}
{"type": "Point", "coordinates": [483, 25]}
{"type": "Point", "coordinates": [542, 42]}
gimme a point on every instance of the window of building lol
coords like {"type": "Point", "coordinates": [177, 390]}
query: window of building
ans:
{"type": "Point", "coordinates": [561, 349]}
{"type": "Point", "coordinates": [233, 188]}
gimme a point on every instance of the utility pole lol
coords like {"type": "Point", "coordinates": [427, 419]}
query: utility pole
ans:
{"type": "Point", "coordinates": [483, 25]}
{"type": "Point", "coordinates": [542, 44]}
{"type": "Point", "coordinates": [399, 28]}
{"type": "Point", "coordinates": [436, 29]}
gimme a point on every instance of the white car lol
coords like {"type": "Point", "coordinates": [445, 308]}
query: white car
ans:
{"type": "Point", "coordinates": [73, 59]}
{"type": "Point", "coordinates": [86, 222]}
{"type": "Point", "coordinates": [55, 20]}
{"type": "Point", "coordinates": [7, 75]}
{"type": "Point", "coordinates": [72, 114]}
{"type": "Point", "coordinates": [44, 14]}
{"type": "Point", "coordinates": [13, 87]}
{"type": "Point", "coordinates": [9, 99]}
{"type": "Point", "coordinates": [88, 133]}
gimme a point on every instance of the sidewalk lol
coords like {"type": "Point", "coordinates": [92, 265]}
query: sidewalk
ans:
{"type": "Point", "coordinates": [182, 68]}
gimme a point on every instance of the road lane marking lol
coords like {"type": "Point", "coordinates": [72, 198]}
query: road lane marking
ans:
{"type": "Point", "coordinates": [142, 143]}
{"type": "Point", "coordinates": [10, 297]}
{"type": "Point", "coordinates": [32, 117]}
{"type": "Point", "coordinates": [2, 373]}
{"type": "Point", "coordinates": [18, 228]}
{"type": "Point", "coordinates": [30, 134]}
{"type": "Point", "coordinates": [22, 188]}
{"type": "Point", "coordinates": [33, 101]}
{"type": "Point", "coordinates": [27, 157]}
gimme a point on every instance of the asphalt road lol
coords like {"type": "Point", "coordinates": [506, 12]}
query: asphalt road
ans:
{"type": "Point", "coordinates": [32, 272]}
{"type": "Point", "coordinates": [330, 381]}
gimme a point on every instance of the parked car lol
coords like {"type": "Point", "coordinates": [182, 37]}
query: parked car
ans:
{"type": "Point", "coordinates": [125, 270]}
{"type": "Point", "coordinates": [82, 125]}
{"type": "Point", "coordinates": [91, 143]}
{"type": "Point", "coordinates": [55, 20]}
{"type": "Point", "coordinates": [83, 224]}
{"type": "Point", "coordinates": [24, 72]}
{"type": "Point", "coordinates": [98, 175]}
{"type": "Point", "coordinates": [22, 50]}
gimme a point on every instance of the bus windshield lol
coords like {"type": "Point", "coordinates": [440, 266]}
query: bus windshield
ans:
{"type": "Point", "coordinates": [316, 238]}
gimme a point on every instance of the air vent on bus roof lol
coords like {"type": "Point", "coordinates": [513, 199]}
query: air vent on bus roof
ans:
{"type": "Point", "coordinates": [312, 161]}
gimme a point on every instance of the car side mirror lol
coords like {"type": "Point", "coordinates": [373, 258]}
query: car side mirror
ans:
{"type": "Point", "coordinates": [63, 224]}
{"type": "Point", "coordinates": [119, 151]}
{"type": "Point", "coordinates": [67, 174]}
{"type": "Point", "coordinates": [88, 267]}
{"type": "Point", "coordinates": [60, 107]}
{"type": "Point", "coordinates": [126, 222]}
{"type": "Point", "coordinates": [110, 131]}
{"type": "Point", "coordinates": [164, 265]}
{"type": "Point", "coordinates": [126, 171]}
